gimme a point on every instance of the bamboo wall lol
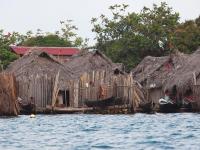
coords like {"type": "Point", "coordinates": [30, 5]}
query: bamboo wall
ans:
{"type": "Point", "coordinates": [87, 87]}
{"type": "Point", "coordinates": [120, 86]}
{"type": "Point", "coordinates": [38, 87]}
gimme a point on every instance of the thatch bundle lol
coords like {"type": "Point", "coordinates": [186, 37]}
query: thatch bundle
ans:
{"type": "Point", "coordinates": [8, 95]}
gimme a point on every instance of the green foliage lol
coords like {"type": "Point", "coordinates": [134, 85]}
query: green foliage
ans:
{"type": "Point", "coordinates": [187, 36]}
{"type": "Point", "coordinates": [47, 40]}
{"type": "Point", "coordinates": [129, 37]}
{"type": "Point", "coordinates": [66, 37]}
{"type": "Point", "coordinates": [125, 37]}
{"type": "Point", "coordinates": [6, 56]}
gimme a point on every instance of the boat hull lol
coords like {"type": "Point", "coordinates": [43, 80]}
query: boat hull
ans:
{"type": "Point", "coordinates": [103, 103]}
{"type": "Point", "coordinates": [146, 107]}
{"type": "Point", "coordinates": [168, 108]}
{"type": "Point", "coordinates": [27, 109]}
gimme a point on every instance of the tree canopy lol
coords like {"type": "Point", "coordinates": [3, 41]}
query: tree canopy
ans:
{"type": "Point", "coordinates": [187, 36]}
{"type": "Point", "coordinates": [66, 37]}
{"type": "Point", "coordinates": [126, 37]}
{"type": "Point", "coordinates": [129, 37]}
{"type": "Point", "coordinates": [6, 56]}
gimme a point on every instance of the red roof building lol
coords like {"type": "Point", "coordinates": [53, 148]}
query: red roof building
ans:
{"type": "Point", "coordinates": [61, 52]}
{"type": "Point", "coordinates": [57, 51]}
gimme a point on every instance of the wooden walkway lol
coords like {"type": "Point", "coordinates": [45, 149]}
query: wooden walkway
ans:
{"type": "Point", "coordinates": [66, 110]}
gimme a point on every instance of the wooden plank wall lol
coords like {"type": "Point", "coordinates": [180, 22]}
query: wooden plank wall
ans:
{"type": "Point", "coordinates": [38, 87]}
{"type": "Point", "coordinates": [89, 84]}
{"type": "Point", "coordinates": [86, 87]}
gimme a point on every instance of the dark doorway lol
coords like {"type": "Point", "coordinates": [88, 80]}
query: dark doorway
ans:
{"type": "Point", "coordinates": [63, 97]}
{"type": "Point", "coordinates": [67, 103]}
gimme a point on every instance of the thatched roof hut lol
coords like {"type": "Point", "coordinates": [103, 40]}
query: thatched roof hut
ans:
{"type": "Point", "coordinates": [90, 61]}
{"type": "Point", "coordinates": [183, 78]}
{"type": "Point", "coordinates": [153, 72]}
{"type": "Point", "coordinates": [39, 63]}
{"type": "Point", "coordinates": [8, 95]}
{"type": "Point", "coordinates": [35, 75]}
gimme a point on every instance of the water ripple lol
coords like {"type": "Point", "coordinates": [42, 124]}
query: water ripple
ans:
{"type": "Point", "coordinates": [139, 131]}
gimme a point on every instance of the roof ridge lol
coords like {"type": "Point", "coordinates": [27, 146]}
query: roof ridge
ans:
{"type": "Point", "coordinates": [42, 47]}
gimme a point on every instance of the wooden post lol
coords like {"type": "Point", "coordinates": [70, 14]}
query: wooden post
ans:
{"type": "Point", "coordinates": [55, 90]}
{"type": "Point", "coordinates": [194, 78]}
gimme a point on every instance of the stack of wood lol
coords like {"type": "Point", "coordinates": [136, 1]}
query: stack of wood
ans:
{"type": "Point", "coordinates": [8, 95]}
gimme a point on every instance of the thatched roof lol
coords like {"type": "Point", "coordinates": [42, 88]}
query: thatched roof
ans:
{"type": "Point", "coordinates": [147, 67]}
{"type": "Point", "coordinates": [89, 61]}
{"type": "Point", "coordinates": [153, 71]}
{"type": "Point", "coordinates": [183, 78]}
{"type": "Point", "coordinates": [37, 62]}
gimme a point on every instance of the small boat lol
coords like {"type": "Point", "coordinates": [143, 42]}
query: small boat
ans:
{"type": "Point", "coordinates": [104, 102]}
{"type": "Point", "coordinates": [188, 105]}
{"type": "Point", "coordinates": [26, 108]}
{"type": "Point", "coordinates": [167, 106]}
{"type": "Point", "coordinates": [146, 107]}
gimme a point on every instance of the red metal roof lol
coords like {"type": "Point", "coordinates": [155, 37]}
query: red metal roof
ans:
{"type": "Point", "coordinates": [64, 51]}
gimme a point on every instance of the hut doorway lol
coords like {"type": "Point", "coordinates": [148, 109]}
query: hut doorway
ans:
{"type": "Point", "coordinates": [67, 103]}
{"type": "Point", "coordinates": [63, 98]}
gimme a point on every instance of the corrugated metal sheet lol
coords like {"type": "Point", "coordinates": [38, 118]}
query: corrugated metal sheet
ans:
{"type": "Point", "coordinates": [63, 51]}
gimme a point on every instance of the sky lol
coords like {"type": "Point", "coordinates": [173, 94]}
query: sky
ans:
{"type": "Point", "coordinates": [24, 15]}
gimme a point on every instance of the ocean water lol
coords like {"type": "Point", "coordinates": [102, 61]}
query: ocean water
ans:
{"type": "Point", "coordinates": [74, 132]}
